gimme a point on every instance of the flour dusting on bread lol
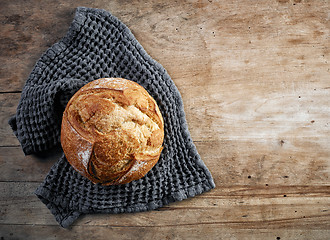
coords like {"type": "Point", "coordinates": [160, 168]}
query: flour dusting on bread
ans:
{"type": "Point", "coordinates": [117, 131]}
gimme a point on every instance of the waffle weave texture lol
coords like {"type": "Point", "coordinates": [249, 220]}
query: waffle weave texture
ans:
{"type": "Point", "coordinates": [98, 45]}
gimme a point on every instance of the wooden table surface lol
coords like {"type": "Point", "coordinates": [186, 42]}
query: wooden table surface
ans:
{"type": "Point", "coordinates": [255, 82]}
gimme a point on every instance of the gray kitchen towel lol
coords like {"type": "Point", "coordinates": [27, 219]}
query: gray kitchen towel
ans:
{"type": "Point", "coordinates": [98, 45]}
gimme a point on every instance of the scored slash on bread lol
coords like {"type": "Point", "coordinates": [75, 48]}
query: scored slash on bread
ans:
{"type": "Point", "coordinates": [112, 131]}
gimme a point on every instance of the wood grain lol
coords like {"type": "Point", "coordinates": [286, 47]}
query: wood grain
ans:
{"type": "Point", "coordinates": [238, 207]}
{"type": "Point", "coordinates": [182, 232]}
{"type": "Point", "coordinates": [8, 105]}
{"type": "Point", "coordinates": [254, 79]}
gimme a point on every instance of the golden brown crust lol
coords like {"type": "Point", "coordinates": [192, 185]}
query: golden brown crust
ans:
{"type": "Point", "coordinates": [112, 131]}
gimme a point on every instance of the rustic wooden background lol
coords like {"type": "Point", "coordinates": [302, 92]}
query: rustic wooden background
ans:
{"type": "Point", "coordinates": [255, 82]}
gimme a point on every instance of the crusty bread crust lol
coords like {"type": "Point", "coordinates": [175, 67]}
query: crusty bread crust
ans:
{"type": "Point", "coordinates": [112, 131]}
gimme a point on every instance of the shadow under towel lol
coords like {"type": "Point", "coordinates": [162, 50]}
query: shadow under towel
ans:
{"type": "Point", "coordinates": [98, 45]}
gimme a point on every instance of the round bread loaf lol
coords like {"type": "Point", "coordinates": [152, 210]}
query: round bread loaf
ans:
{"type": "Point", "coordinates": [112, 131]}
